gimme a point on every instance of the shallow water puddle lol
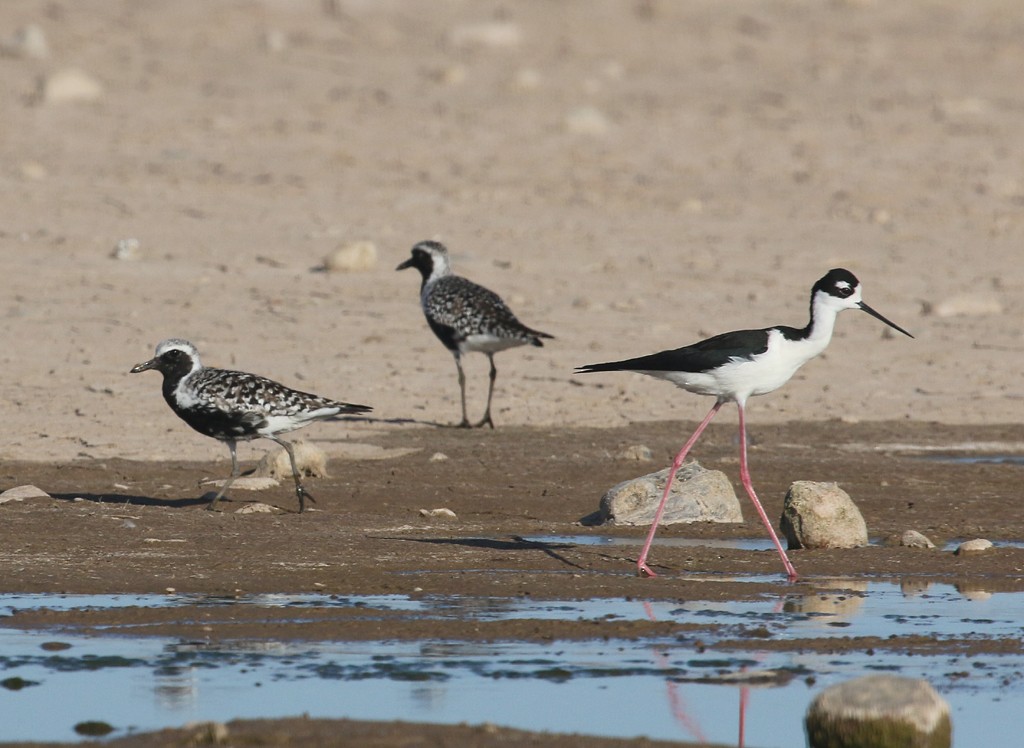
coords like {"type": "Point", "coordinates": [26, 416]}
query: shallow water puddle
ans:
{"type": "Point", "coordinates": [663, 688]}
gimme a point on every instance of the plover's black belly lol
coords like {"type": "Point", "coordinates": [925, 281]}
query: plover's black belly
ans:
{"type": "Point", "coordinates": [221, 424]}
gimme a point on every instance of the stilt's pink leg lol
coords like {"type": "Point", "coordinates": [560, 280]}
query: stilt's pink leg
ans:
{"type": "Point", "coordinates": [641, 563]}
{"type": "Point", "coordinates": [745, 477]}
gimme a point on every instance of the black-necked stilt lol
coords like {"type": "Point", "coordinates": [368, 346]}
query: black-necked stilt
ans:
{"type": "Point", "coordinates": [735, 365]}
{"type": "Point", "coordinates": [466, 317]}
{"type": "Point", "coordinates": [235, 406]}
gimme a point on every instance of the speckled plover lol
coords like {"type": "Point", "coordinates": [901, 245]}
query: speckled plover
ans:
{"type": "Point", "coordinates": [466, 317]}
{"type": "Point", "coordinates": [235, 406]}
{"type": "Point", "coordinates": [736, 365]}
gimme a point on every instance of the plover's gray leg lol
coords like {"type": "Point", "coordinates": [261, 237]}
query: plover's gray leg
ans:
{"type": "Point", "coordinates": [234, 474]}
{"type": "Point", "coordinates": [490, 392]}
{"type": "Point", "coordinates": [300, 490]}
{"type": "Point", "coordinates": [464, 423]}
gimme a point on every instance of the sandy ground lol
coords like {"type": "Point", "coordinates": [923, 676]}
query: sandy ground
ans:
{"type": "Point", "coordinates": [630, 176]}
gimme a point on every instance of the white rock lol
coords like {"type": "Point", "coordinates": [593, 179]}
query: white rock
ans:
{"type": "Point", "coordinates": [978, 545]}
{"type": "Point", "coordinates": [352, 257]}
{"type": "Point", "coordinates": [310, 461]}
{"type": "Point", "coordinates": [914, 539]}
{"type": "Point", "coordinates": [821, 515]}
{"type": "Point", "coordinates": [859, 711]}
{"type": "Point", "coordinates": [968, 305]}
{"type": "Point", "coordinates": [493, 35]}
{"type": "Point", "coordinates": [20, 493]}
{"type": "Point", "coordinates": [697, 495]}
{"type": "Point", "coordinates": [438, 457]}
{"type": "Point", "coordinates": [636, 452]}
{"type": "Point", "coordinates": [70, 85]}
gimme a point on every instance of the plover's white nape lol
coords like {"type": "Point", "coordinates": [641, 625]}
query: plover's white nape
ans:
{"type": "Point", "coordinates": [235, 406]}
{"type": "Point", "coordinates": [733, 366]}
{"type": "Point", "coordinates": [466, 317]}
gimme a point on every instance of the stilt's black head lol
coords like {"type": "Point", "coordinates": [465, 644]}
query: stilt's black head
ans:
{"type": "Point", "coordinates": [840, 290]}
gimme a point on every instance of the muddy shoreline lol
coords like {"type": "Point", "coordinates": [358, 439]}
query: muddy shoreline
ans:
{"type": "Point", "coordinates": [518, 495]}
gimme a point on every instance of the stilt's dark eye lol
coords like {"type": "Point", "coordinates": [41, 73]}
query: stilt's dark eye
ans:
{"type": "Point", "coordinates": [844, 290]}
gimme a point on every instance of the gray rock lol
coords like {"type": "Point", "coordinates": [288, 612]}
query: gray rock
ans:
{"type": "Point", "coordinates": [978, 545]}
{"type": "Point", "coordinates": [697, 495]}
{"type": "Point", "coordinates": [914, 539]}
{"type": "Point", "coordinates": [821, 515]}
{"type": "Point", "coordinates": [879, 711]}
{"type": "Point", "coordinates": [20, 493]}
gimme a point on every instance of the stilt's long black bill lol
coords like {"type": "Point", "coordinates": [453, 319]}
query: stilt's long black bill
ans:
{"type": "Point", "coordinates": [878, 316]}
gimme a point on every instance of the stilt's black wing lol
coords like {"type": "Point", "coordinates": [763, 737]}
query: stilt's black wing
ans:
{"type": "Point", "coordinates": [703, 356]}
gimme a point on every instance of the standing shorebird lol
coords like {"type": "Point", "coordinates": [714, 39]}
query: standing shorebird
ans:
{"type": "Point", "coordinates": [466, 317]}
{"type": "Point", "coordinates": [235, 406]}
{"type": "Point", "coordinates": [735, 365]}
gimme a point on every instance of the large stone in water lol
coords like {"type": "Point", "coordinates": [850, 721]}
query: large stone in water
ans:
{"type": "Point", "coordinates": [879, 711]}
{"type": "Point", "coordinates": [697, 495]}
{"type": "Point", "coordinates": [821, 515]}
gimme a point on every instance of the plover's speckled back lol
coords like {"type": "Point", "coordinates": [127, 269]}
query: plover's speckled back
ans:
{"type": "Point", "coordinates": [235, 406]}
{"type": "Point", "coordinates": [466, 317]}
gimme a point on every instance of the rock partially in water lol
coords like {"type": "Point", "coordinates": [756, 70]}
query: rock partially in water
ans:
{"type": "Point", "coordinates": [94, 728]}
{"type": "Point", "coordinates": [698, 495]}
{"type": "Point", "coordinates": [821, 515]}
{"type": "Point", "coordinates": [879, 711]}
{"type": "Point", "coordinates": [914, 539]}
{"type": "Point", "coordinates": [978, 545]}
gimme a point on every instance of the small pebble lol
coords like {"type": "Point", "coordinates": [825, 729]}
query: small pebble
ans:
{"type": "Point", "coordinates": [28, 41]}
{"type": "Point", "coordinates": [442, 512]}
{"type": "Point", "coordinates": [493, 35]}
{"type": "Point", "coordinates": [438, 457]}
{"type": "Point", "coordinates": [587, 120]}
{"type": "Point", "coordinates": [69, 85]}
{"type": "Point", "coordinates": [637, 453]}
{"type": "Point", "coordinates": [126, 249]}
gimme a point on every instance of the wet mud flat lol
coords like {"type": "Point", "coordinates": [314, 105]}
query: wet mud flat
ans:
{"type": "Point", "coordinates": [516, 569]}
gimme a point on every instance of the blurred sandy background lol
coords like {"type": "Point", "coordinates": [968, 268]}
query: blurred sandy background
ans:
{"type": "Point", "coordinates": [628, 175]}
